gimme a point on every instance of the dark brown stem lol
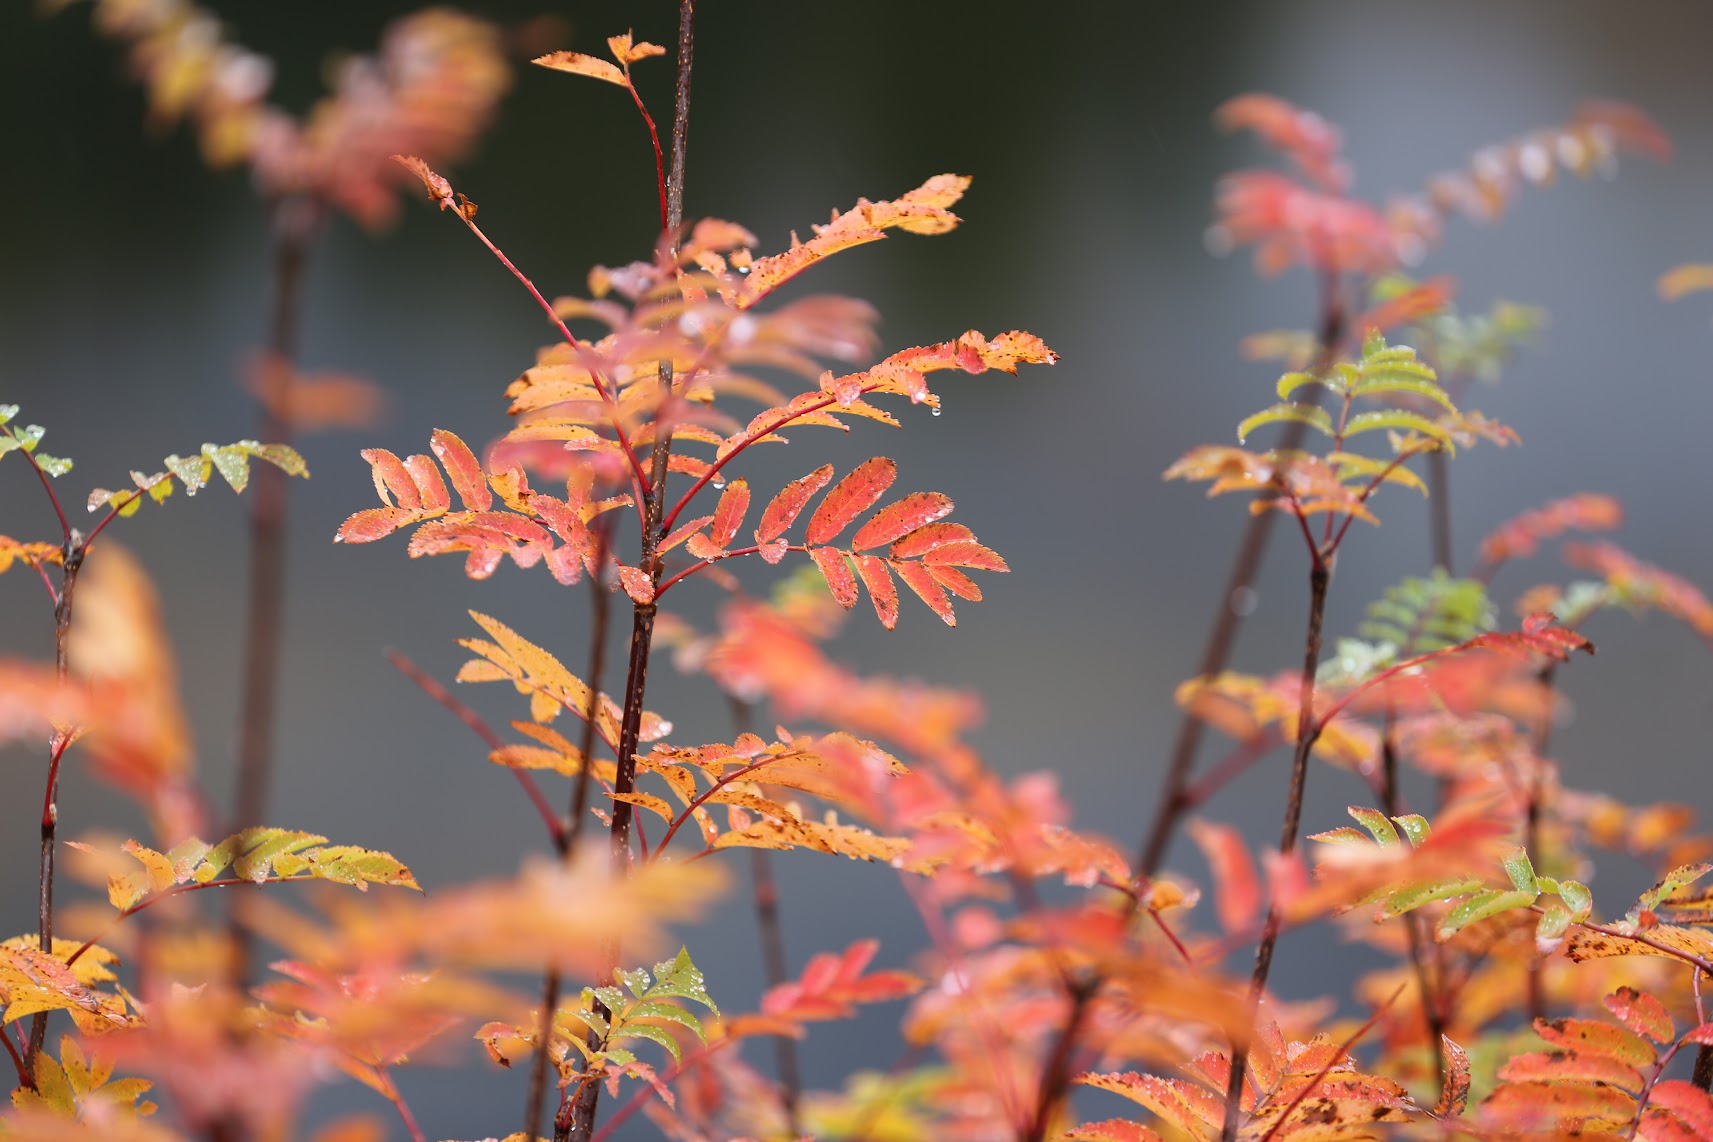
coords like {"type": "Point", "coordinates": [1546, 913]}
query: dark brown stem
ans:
{"type": "Point", "coordinates": [294, 222]}
{"type": "Point", "coordinates": [576, 1117]}
{"type": "Point", "coordinates": [1231, 612]}
{"type": "Point", "coordinates": [566, 840]}
{"type": "Point", "coordinates": [1320, 575]}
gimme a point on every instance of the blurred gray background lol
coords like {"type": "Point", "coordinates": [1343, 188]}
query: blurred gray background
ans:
{"type": "Point", "coordinates": [132, 282]}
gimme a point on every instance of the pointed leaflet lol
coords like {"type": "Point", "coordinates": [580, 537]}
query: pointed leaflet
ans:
{"type": "Point", "coordinates": [898, 519]}
{"type": "Point", "coordinates": [729, 513]}
{"type": "Point", "coordinates": [782, 511]}
{"type": "Point", "coordinates": [920, 579]}
{"type": "Point", "coordinates": [850, 497]}
{"type": "Point", "coordinates": [837, 572]}
{"type": "Point", "coordinates": [466, 472]}
{"type": "Point", "coordinates": [927, 538]}
{"type": "Point", "coordinates": [579, 64]}
{"type": "Point", "coordinates": [881, 589]}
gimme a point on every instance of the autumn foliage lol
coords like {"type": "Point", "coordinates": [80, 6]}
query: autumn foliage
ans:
{"type": "Point", "coordinates": [1071, 989]}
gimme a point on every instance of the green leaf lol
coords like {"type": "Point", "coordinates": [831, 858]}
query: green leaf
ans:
{"type": "Point", "coordinates": [1416, 828]}
{"type": "Point", "coordinates": [1481, 906]}
{"type": "Point", "coordinates": [1409, 899]}
{"type": "Point", "coordinates": [1417, 380]}
{"type": "Point", "coordinates": [1311, 415]}
{"type": "Point", "coordinates": [1668, 884]}
{"type": "Point", "coordinates": [650, 1032]}
{"type": "Point", "coordinates": [1397, 418]}
{"type": "Point", "coordinates": [682, 978]}
{"type": "Point", "coordinates": [1377, 825]}
{"type": "Point", "coordinates": [1291, 382]}
{"type": "Point", "coordinates": [1522, 872]}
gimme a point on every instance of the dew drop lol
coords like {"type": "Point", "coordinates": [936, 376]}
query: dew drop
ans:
{"type": "Point", "coordinates": [935, 410]}
{"type": "Point", "coordinates": [1244, 600]}
{"type": "Point", "coordinates": [718, 482]}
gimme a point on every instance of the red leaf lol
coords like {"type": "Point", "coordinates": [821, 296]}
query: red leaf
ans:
{"type": "Point", "coordinates": [392, 481]}
{"type": "Point", "coordinates": [881, 590]}
{"type": "Point", "coordinates": [832, 985]}
{"type": "Point", "coordinates": [850, 497]}
{"type": "Point", "coordinates": [964, 553]}
{"type": "Point", "coordinates": [682, 532]}
{"type": "Point", "coordinates": [1520, 536]}
{"type": "Point", "coordinates": [954, 581]}
{"type": "Point", "coordinates": [783, 509]}
{"type": "Point", "coordinates": [1690, 1103]}
{"type": "Point", "coordinates": [429, 486]}
{"type": "Point", "coordinates": [901, 518]}
{"type": "Point", "coordinates": [1236, 888]}
{"type": "Point", "coordinates": [375, 523]}
{"type": "Point", "coordinates": [837, 572]}
{"type": "Point", "coordinates": [925, 539]}
{"type": "Point", "coordinates": [466, 471]}
{"type": "Point", "coordinates": [1641, 1013]}
{"type": "Point", "coordinates": [734, 502]}
{"type": "Point", "coordinates": [919, 579]}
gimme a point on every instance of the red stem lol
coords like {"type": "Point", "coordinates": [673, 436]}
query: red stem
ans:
{"type": "Point", "coordinates": [654, 138]}
{"type": "Point", "coordinates": [702, 798]}
{"type": "Point", "coordinates": [639, 479]}
{"type": "Point", "coordinates": [25, 1077]}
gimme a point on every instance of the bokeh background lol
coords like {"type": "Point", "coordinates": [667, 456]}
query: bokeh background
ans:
{"type": "Point", "coordinates": [133, 282]}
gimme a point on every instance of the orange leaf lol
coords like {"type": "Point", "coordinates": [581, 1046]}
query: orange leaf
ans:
{"type": "Point", "coordinates": [900, 518]}
{"type": "Point", "coordinates": [1686, 279]}
{"type": "Point", "coordinates": [637, 584]}
{"type": "Point", "coordinates": [783, 509]}
{"type": "Point", "coordinates": [579, 64]}
{"type": "Point", "coordinates": [850, 497]}
{"type": "Point", "coordinates": [466, 471]}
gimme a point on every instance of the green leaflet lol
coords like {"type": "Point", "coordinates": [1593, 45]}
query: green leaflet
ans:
{"type": "Point", "coordinates": [232, 461]}
{"type": "Point", "coordinates": [1311, 415]}
{"type": "Point", "coordinates": [638, 1015]}
{"type": "Point", "coordinates": [257, 855]}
